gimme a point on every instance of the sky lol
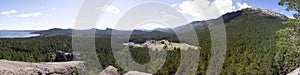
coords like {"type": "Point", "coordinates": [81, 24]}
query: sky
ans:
{"type": "Point", "coordinates": [47, 14]}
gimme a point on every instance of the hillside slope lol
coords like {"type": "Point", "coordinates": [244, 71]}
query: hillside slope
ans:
{"type": "Point", "coordinates": [251, 39]}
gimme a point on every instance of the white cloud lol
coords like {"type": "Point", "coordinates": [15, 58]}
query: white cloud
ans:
{"type": "Point", "coordinates": [242, 5]}
{"type": "Point", "coordinates": [53, 8]}
{"type": "Point", "coordinates": [30, 14]}
{"type": "Point", "coordinates": [224, 6]}
{"type": "Point", "coordinates": [112, 9]}
{"type": "Point", "coordinates": [73, 20]}
{"type": "Point", "coordinates": [174, 5]}
{"type": "Point", "coordinates": [49, 14]}
{"type": "Point", "coordinates": [109, 9]}
{"type": "Point", "coordinates": [29, 23]}
{"type": "Point", "coordinates": [186, 7]}
{"type": "Point", "coordinates": [9, 12]}
{"type": "Point", "coordinates": [167, 17]}
{"type": "Point", "coordinates": [42, 7]}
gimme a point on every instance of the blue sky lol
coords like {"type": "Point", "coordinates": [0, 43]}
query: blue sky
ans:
{"type": "Point", "coordinates": [46, 14]}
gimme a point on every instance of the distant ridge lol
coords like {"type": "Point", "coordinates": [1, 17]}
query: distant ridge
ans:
{"type": "Point", "coordinates": [233, 15]}
{"type": "Point", "coordinates": [185, 28]}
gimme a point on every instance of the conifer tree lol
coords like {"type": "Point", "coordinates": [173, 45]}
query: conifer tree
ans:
{"type": "Point", "coordinates": [288, 44]}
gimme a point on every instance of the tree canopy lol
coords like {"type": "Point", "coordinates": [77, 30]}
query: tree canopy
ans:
{"type": "Point", "coordinates": [288, 43]}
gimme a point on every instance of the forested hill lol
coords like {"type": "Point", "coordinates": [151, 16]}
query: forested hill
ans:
{"type": "Point", "coordinates": [251, 39]}
{"type": "Point", "coordinates": [255, 12]}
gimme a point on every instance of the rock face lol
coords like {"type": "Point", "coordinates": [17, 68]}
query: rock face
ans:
{"type": "Point", "coordinates": [110, 70]}
{"type": "Point", "coordinates": [45, 68]}
{"type": "Point", "coordinates": [295, 72]}
{"type": "Point", "coordinates": [264, 12]}
{"type": "Point", "coordinates": [52, 68]}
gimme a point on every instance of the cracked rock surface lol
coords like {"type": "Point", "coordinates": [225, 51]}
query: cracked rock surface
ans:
{"type": "Point", "coordinates": [43, 68]}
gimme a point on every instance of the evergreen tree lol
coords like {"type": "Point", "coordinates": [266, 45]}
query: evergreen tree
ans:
{"type": "Point", "coordinates": [288, 43]}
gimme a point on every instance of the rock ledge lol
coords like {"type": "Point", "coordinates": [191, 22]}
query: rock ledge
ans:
{"type": "Point", "coordinates": [44, 68]}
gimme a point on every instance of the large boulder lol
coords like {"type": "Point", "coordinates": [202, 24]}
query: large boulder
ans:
{"type": "Point", "coordinates": [295, 72]}
{"type": "Point", "coordinates": [110, 70]}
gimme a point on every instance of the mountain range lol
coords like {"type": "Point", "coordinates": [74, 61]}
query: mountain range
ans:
{"type": "Point", "coordinates": [184, 28]}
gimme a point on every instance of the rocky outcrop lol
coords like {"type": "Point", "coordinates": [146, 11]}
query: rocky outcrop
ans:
{"type": "Point", "coordinates": [44, 68]}
{"type": "Point", "coordinates": [136, 73]}
{"type": "Point", "coordinates": [52, 68]}
{"type": "Point", "coordinates": [264, 12]}
{"type": "Point", "coordinates": [295, 72]}
{"type": "Point", "coordinates": [110, 70]}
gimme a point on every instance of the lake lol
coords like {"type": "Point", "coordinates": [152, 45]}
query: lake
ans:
{"type": "Point", "coordinates": [16, 34]}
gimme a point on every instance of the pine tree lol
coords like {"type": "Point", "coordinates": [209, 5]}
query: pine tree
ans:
{"type": "Point", "coordinates": [288, 44]}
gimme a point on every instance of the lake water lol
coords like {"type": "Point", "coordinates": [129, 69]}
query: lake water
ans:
{"type": "Point", "coordinates": [16, 34]}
